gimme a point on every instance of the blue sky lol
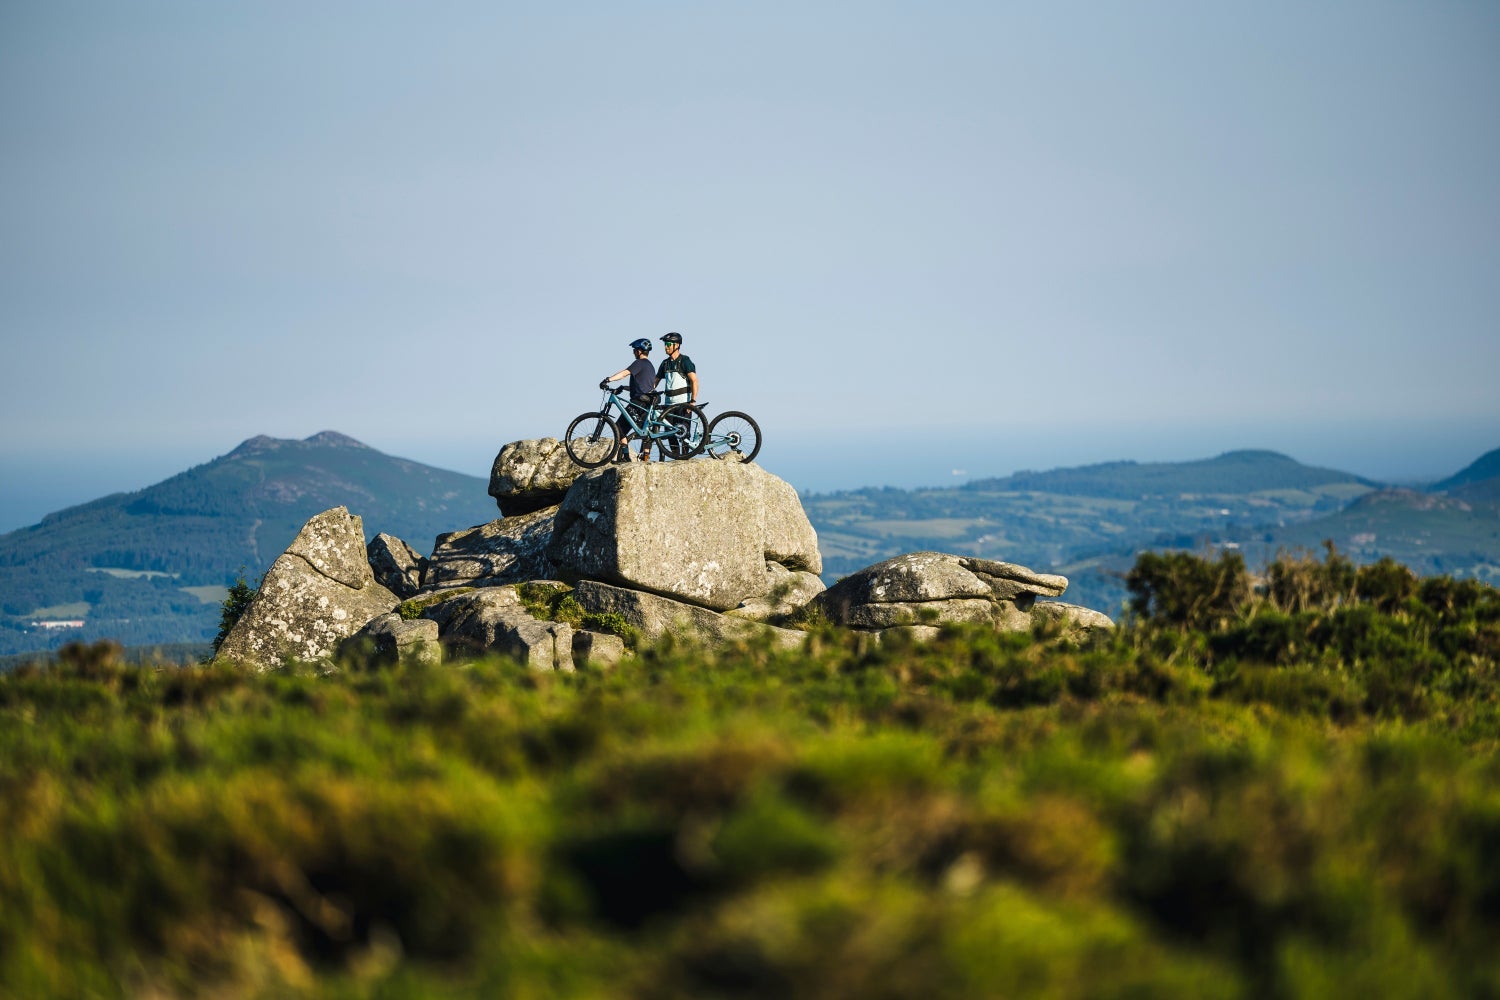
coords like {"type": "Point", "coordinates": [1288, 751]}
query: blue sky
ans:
{"type": "Point", "coordinates": [918, 242]}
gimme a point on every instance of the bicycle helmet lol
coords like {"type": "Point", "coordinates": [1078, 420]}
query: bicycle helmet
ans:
{"type": "Point", "coordinates": [641, 344]}
{"type": "Point", "coordinates": [672, 338]}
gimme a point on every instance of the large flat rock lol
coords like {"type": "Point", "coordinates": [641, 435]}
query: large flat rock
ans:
{"type": "Point", "coordinates": [937, 587]}
{"type": "Point", "coordinates": [700, 532]}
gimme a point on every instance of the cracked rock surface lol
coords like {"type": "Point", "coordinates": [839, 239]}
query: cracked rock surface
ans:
{"type": "Point", "coordinates": [701, 532]}
{"type": "Point", "coordinates": [317, 593]}
{"type": "Point", "coordinates": [936, 587]}
{"type": "Point", "coordinates": [511, 549]}
{"type": "Point", "coordinates": [532, 474]}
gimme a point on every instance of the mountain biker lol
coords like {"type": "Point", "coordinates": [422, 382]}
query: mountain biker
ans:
{"type": "Point", "coordinates": [678, 371]}
{"type": "Point", "coordinates": [680, 375]}
{"type": "Point", "coordinates": [642, 385]}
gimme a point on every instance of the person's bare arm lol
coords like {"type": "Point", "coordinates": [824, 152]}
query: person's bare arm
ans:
{"type": "Point", "coordinates": [693, 384]}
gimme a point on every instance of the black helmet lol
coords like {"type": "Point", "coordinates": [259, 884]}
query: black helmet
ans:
{"type": "Point", "coordinates": [641, 344]}
{"type": "Point", "coordinates": [672, 338]}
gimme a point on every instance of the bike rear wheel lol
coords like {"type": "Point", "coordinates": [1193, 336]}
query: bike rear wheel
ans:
{"type": "Point", "coordinates": [694, 431]}
{"type": "Point", "coordinates": [592, 439]}
{"type": "Point", "coordinates": [733, 437]}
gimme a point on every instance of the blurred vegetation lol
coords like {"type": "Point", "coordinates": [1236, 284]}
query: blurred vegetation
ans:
{"type": "Point", "coordinates": [1282, 786]}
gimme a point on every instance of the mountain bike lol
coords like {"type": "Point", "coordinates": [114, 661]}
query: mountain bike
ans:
{"type": "Point", "coordinates": [593, 439]}
{"type": "Point", "coordinates": [732, 436]}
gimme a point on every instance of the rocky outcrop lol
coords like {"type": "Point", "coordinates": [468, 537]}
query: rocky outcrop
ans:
{"type": "Point", "coordinates": [493, 620]}
{"type": "Point", "coordinates": [929, 588]}
{"type": "Point", "coordinates": [532, 474]}
{"type": "Point", "coordinates": [713, 552]}
{"type": "Point", "coordinates": [396, 565]}
{"type": "Point", "coordinates": [393, 639]}
{"type": "Point", "coordinates": [597, 650]}
{"type": "Point", "coordinates": [508, 550]}
{"type": "Point", "coordinates": [787, 591]}
{"type": "Point", "coordinates": [653, 616]}
{"type": "Point", "coordinates": [699, 532]}
{"type": "Point", "coordinates": [317, 593]}
{"type": "Point", "coordinates": [1075, 619]}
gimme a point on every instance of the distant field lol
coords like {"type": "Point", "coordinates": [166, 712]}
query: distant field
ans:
{"type": "Point", "coordinates": [211, 594]}
{"type": "Point", "coordinates": [132, 574]}
{"type": "Point", "coordinates": [76, 609]}
{"type": "Point", "coordinates": [937, 527]}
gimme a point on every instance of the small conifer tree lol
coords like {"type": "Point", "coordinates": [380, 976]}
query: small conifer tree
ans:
{"type": "Point", "coordinates": [238, 599]}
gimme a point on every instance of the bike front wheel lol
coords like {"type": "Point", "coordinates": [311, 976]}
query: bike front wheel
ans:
{"type": "Point", "coordinates": [693, 431]}
{"type": "Point", "coordinates": [592, 439]}
{"type": "Point", "coordinates": [733, 437]}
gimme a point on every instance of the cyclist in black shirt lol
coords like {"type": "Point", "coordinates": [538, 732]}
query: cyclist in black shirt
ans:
{"type": "Point", "coordinates": [642, 382]}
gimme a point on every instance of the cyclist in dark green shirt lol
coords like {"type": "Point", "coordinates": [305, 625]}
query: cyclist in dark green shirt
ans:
{"type": "Point", "coordinates": [677, 376]}
{"type": "Point", "coordinates": [679, 373]}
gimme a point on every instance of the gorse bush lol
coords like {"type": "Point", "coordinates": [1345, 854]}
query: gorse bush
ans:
{"type": "Point", "coordinates": [1323, 634]}
{"type": "Point", "coordinates": [1238, 794]}
{"type": "Point", "coordinates": [1178, 588]}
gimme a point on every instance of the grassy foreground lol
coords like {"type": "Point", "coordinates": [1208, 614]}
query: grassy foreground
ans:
{"type": "Point", "coordinates": [1291, 792]}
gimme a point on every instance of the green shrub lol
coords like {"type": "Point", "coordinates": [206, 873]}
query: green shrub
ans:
{"type": "Point", "coordinates": [1183, 590]}
{"type": "Point", "coordinates": [412, 609]}
{"type": "Point", "coordinates": [1299, 582]}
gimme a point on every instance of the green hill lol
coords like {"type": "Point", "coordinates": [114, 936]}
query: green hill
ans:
{"type": "Point", "coordinates": [150, 566]}
{"type": "Point", "coordinates": [1084, 522]}
{"type": "Point", "coordinates": [1430, 533]}
{"type": "Point", "coordinates": [1234, 472]}
{"type": "Point", "coordinates": [1089, 522]}
{"type": "Point", "coordinates": [1478, 482]}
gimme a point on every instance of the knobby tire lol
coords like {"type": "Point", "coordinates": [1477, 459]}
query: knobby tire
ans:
{"type": "Point", "coordinates": [733, 436]}
{"type": "Point", "coordinates": [593, 439]}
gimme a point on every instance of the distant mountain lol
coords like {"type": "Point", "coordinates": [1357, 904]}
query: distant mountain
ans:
{"type": "Point", "coordinates": [1234, 472]}
{"type": "Point", "coordinates": [1430, 532]}
{"type": "Point", "coordinates": [1077, 520]}
{"type": "Point", "coordinates": [150, 566]}
{"type": "Point", "coordinates": [1479, 481]}
{"type": "Point", "coordinates": [1089, 522]}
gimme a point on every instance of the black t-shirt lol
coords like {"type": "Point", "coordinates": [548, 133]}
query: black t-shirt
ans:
{"type": "Point", "coordinates": [642, 377]}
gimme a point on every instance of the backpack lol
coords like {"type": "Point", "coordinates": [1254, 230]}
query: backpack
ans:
{"type": "Point", "coordinates": [676, 380]}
